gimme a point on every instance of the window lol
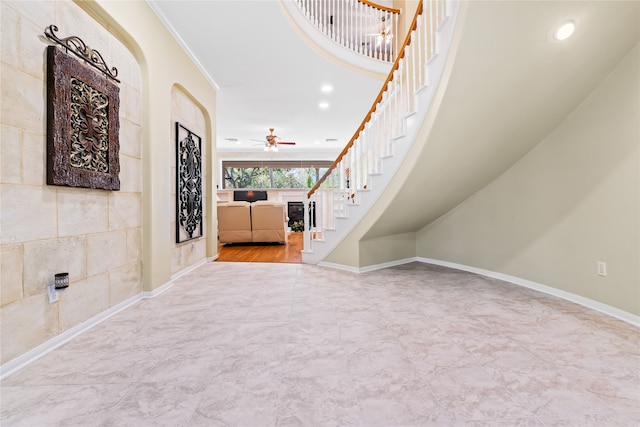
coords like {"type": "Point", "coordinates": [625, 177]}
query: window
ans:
{"type": "Point", "coordinates": [274, 174]}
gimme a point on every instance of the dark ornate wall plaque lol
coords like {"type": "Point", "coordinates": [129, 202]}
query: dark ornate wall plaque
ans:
{"type": "Point", "coordinates": [82, 124]}
{"type": "Point", "coordinates": [189, 184]}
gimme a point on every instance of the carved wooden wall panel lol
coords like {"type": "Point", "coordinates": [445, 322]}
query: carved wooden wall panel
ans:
{"type": "Point", "coordinates": [82, 125]}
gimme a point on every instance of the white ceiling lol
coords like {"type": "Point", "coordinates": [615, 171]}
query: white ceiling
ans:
{"type": "Point", "coordinates": [268, 76]}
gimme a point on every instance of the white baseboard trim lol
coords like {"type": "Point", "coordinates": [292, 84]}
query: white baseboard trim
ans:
{"type": "Point", "coordinates": [387, 264]}
{"type": "Point", "coordinates": [190, 268]}
{"type": "Point", "coordinates": [339, 267]}
{"type": "Point", "coordinates": [157, 291]}
{"type": "Point", "coordinates": [586, 302]}
{"type": "Point", "coordinates": [64, 337]}
{"type": "Point", "coordinates": [368, 267]}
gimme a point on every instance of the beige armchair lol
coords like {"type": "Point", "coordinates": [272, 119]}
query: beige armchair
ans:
{"type": "Point", "coordinates": [268, 222]}
{"type": "Point", "coordinates": [234, 222]}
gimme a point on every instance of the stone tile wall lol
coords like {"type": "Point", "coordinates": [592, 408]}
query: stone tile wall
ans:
{"type": "Point", "coordinates": [94, 235]}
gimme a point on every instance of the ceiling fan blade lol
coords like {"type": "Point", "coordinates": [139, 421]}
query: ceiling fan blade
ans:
{"type": "Point", "coordinates": [286, 143]}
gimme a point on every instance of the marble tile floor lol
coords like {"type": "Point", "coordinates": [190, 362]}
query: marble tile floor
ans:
{"type": "Point", "coordinates": [259, 344]}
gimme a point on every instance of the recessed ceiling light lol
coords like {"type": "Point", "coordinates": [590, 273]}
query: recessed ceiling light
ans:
{"type": "Point", "coordinates": [323, 105]}
{"type": "Point", "coordinates": [316, 142]}
{"type": "Point", "coordinates": [562, 30]}
{"type": "Point", "coordinates": [565, 31]}
{"type": "Point", "coordinates": [326, 88]}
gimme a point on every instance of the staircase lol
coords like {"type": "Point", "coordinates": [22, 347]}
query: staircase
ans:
{"type": "Point", "coordinates": [362, 171]}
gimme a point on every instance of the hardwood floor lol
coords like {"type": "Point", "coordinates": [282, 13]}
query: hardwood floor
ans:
{"type": "Point", "coordinates": [263, 252]}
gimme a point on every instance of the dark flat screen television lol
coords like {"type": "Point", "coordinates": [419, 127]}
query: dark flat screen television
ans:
{"type": "Point", "coordinates": [249, 196]}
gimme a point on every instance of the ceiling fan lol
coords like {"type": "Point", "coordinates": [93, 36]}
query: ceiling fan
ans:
{"type": "Point", "coordinates": [272, 141]}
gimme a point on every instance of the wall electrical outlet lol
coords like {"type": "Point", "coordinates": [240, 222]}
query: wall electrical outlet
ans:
{"type": "Point", "coordinates": [602, 268]}
{"type": "Point", "coordinates": [53, 294]}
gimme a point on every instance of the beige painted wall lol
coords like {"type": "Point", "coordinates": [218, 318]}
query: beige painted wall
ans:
{"type": "Point", "coordinates": [94, 235]}
{"type": "Point", "coordinates": [408, 10]}
{"type": "Point", "coordinates": [164, 65]}
{"type": "Point", "coordinates": [570, 202]}
{"type": "Point", "coordinates": [376, 251]}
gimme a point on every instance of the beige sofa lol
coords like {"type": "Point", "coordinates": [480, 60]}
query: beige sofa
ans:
{"type": "Point", "coordinates": [243, 222]}
{"type": "Point", "coordinates": [234, 222]}
{"type": "Point", "coordinates": [268, 222]}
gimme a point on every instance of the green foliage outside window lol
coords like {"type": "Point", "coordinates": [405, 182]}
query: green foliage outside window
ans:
{"type": "Point", "coordinates": [246, 178]}
{"type": "Point", "coordinates": [271, 177]}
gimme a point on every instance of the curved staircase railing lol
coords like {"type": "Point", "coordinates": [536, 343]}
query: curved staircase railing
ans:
{"type": "Point", "coordinates": [350, 174]}
{"type": "Point", "coordinates": [359, 25]}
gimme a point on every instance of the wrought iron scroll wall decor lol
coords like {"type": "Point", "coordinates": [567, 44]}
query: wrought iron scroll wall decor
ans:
{"type": "Point", "coordinates": [189, 184]}
{"type": "Point", "coordinates": [79, 48]}
{"type": "Point", "coordinates": [82, 117]}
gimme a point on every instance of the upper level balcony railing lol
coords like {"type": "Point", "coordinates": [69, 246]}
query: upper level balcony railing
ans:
{"type": "Point", "coordinates": [359, 25]}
